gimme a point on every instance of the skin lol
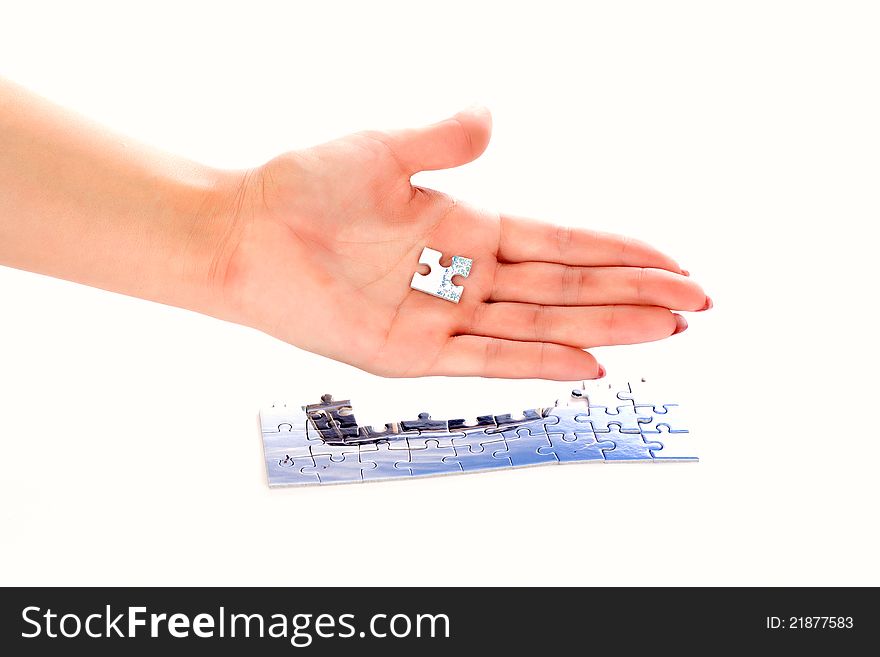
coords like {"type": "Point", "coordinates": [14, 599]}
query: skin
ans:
{"type": "Point", "coordinates": [317, 247]}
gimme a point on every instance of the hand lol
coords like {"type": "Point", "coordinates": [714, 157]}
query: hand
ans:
{"type": "Point", "coordinates": [324, 242]}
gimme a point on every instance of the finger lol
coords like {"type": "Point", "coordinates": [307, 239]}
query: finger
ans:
{"type": "Point", "coordinates": [552, 284]}
{"type": "Point", "coordinates": [525, 240]}
{"type": "Point", "coordinates": [470, 355]}
{"type": "Point", "coordinates": [581, 327]}
{"type": "Point", "coordinates": [450, 143]}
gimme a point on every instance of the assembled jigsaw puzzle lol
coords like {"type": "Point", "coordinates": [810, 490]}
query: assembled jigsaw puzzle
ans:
{"type": "Point", "coordinates": [322, 443]}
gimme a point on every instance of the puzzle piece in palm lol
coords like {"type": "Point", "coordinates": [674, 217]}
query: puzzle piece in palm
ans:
{"type": "Point", "coordinates": [438, 282]}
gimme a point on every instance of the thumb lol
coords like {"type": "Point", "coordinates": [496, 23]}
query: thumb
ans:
{"type": "Point", "coordinates": [449, 143]}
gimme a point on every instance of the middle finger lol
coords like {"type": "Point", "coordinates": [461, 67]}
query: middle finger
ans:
{"type": "Point", "coordinates": [562, 285]}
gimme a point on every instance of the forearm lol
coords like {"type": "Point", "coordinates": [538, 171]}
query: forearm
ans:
{"type": "Point", "coordinates": [79, 203]}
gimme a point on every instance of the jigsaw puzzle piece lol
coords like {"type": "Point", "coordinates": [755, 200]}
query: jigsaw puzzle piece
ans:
{"type": "Point", "coordinates": [336, 471]}
{"type": "Point", "coordinates": [644, 392]}
{"type": "Point", "coordinates": [416, 433]}
{"type": "Point", "coordinates": [668, 414]}
{"type": "Point", "coordinates": [370, 436]}
{"type": "Point", "coordinates": [280, 417]}
{"type": "Point", "coordinates": [565, 419]}
{"type": "Point", "coordinates": [429, 461]}
{"type": "Point", "coordinates": [582, 446]}
{"type": "Point", "coordinates": [291, 443]}
{"type": "Point", "coordinates": [479, 456]}
{"type": "Point", "coordinates": [471, 437]}
{"type": "Point", "coordinates": [340, 411]}
{"type": "Point", "coordinates": [334, 421]}
{"type": "Point", "coordinates": [528, 416]}
{"type": "Point", "coordinates": [438, 282]}
{"type": "Point", "coordinates": [288, 471]}
{"type": "Point", "coordinates": [284, 434]}
{"type": "Point", "coordinates": [627, 446]}
{"type": "Point", "coordinates": [464, 433]}
{"type": "Point", "coordinates": [520, 447]}
{"type": "Point", "coordinates": [336, 453]}
{"type": "Point", "coordinates": [675, 445]}
{"type": "Point", "coordinates": [421, 440]}
{"type": "Point", "coordinates": [379, 463]}
{"type": "Point", "coordinates": [609, 394]}
{"type": "Point", "coordinates": [627, 417]}
{"type": "Point", "coordinates": [326, 429]}
{"type": "Point", "coordinates": [424, 423]}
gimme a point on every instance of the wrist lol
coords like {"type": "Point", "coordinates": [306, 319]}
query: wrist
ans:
{"type": "Point", "coordinates": [209, 209]}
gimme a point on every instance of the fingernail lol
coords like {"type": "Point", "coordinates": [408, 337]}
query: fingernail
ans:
{"type": "Point", "coordinates": [685, 272]}
{"type": "Point", "coordinates": [680, 324]}
{"type": "Point", "coordinates": [601, 373]}
{"type": "Point", "coordinates": [708, 305]}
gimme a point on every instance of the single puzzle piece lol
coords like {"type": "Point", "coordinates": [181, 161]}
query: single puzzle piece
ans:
{"type": "Point", "coordinates": [520, 447]}
{"type": "Point", "coordinates": [336, 453]}
{"type": "Point", "coordinates": [479, 455]}
{"type": "Point", "coordinates": [273, 417]}
{"type": "Point", "coordinates": [333, 471]}
{"type": "Point", "coordinates": [424, 423]}
{"type": "Point", "coordinates": [424, 438]}
{"type": "Point", "coordinates": [566, 420]}
{"type": "Point", "coordinates": [429, 461]}
{"type": "Point", "coordinates": [644, 392]}
{"type": "Point", "coordinates": [327, 429]}
{"type": "Point", "coordinates": [284, 433]}
{"type": "Point", "coordinates": [610, 394]}
{"type": "Point", "coordinates": [582, 446]}
{"type": "Point", "coordinates": [288, 471]}
{"type": "Point", "coordinates": [333, 420]}
{"type": "Point", "coordinates": [475, 438]}
{"type": "Point", "coordinates": [627, 446]}
{"type": "Point", "coordinates": [379, 464]}
{"type": "Point", "coordinates": [438, 282]}
{"type": "Point", "coordinates": [675, 445]}
{"type": "Point", "coordinates": [340, 411]}
{"type": "Point", "coordinates": [416, 433]}
{"type": "Point", "coordinates": [628, 418]}
{"type": "Point", "coordinates": [528, 416]}
{"type": "Point", "coordinates": [668, 414]}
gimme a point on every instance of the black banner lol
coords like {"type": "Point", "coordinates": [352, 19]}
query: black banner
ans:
{"type": "Point", "coordinates": [279, 621]}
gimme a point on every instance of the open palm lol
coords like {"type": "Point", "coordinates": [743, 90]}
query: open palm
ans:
{"type": "Point", "coordinates": [326, 240]}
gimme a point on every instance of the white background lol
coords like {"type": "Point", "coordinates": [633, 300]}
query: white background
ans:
{"type": "Point", "coordinates": [741, 137]}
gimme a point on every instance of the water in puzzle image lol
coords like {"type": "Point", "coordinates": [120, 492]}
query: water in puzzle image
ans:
{"type": "Point", "coordinates": [323, 443]}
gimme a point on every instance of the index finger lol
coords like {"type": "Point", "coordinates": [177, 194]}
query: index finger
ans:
{"type": "Point", "coordinates": [528, 240]}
